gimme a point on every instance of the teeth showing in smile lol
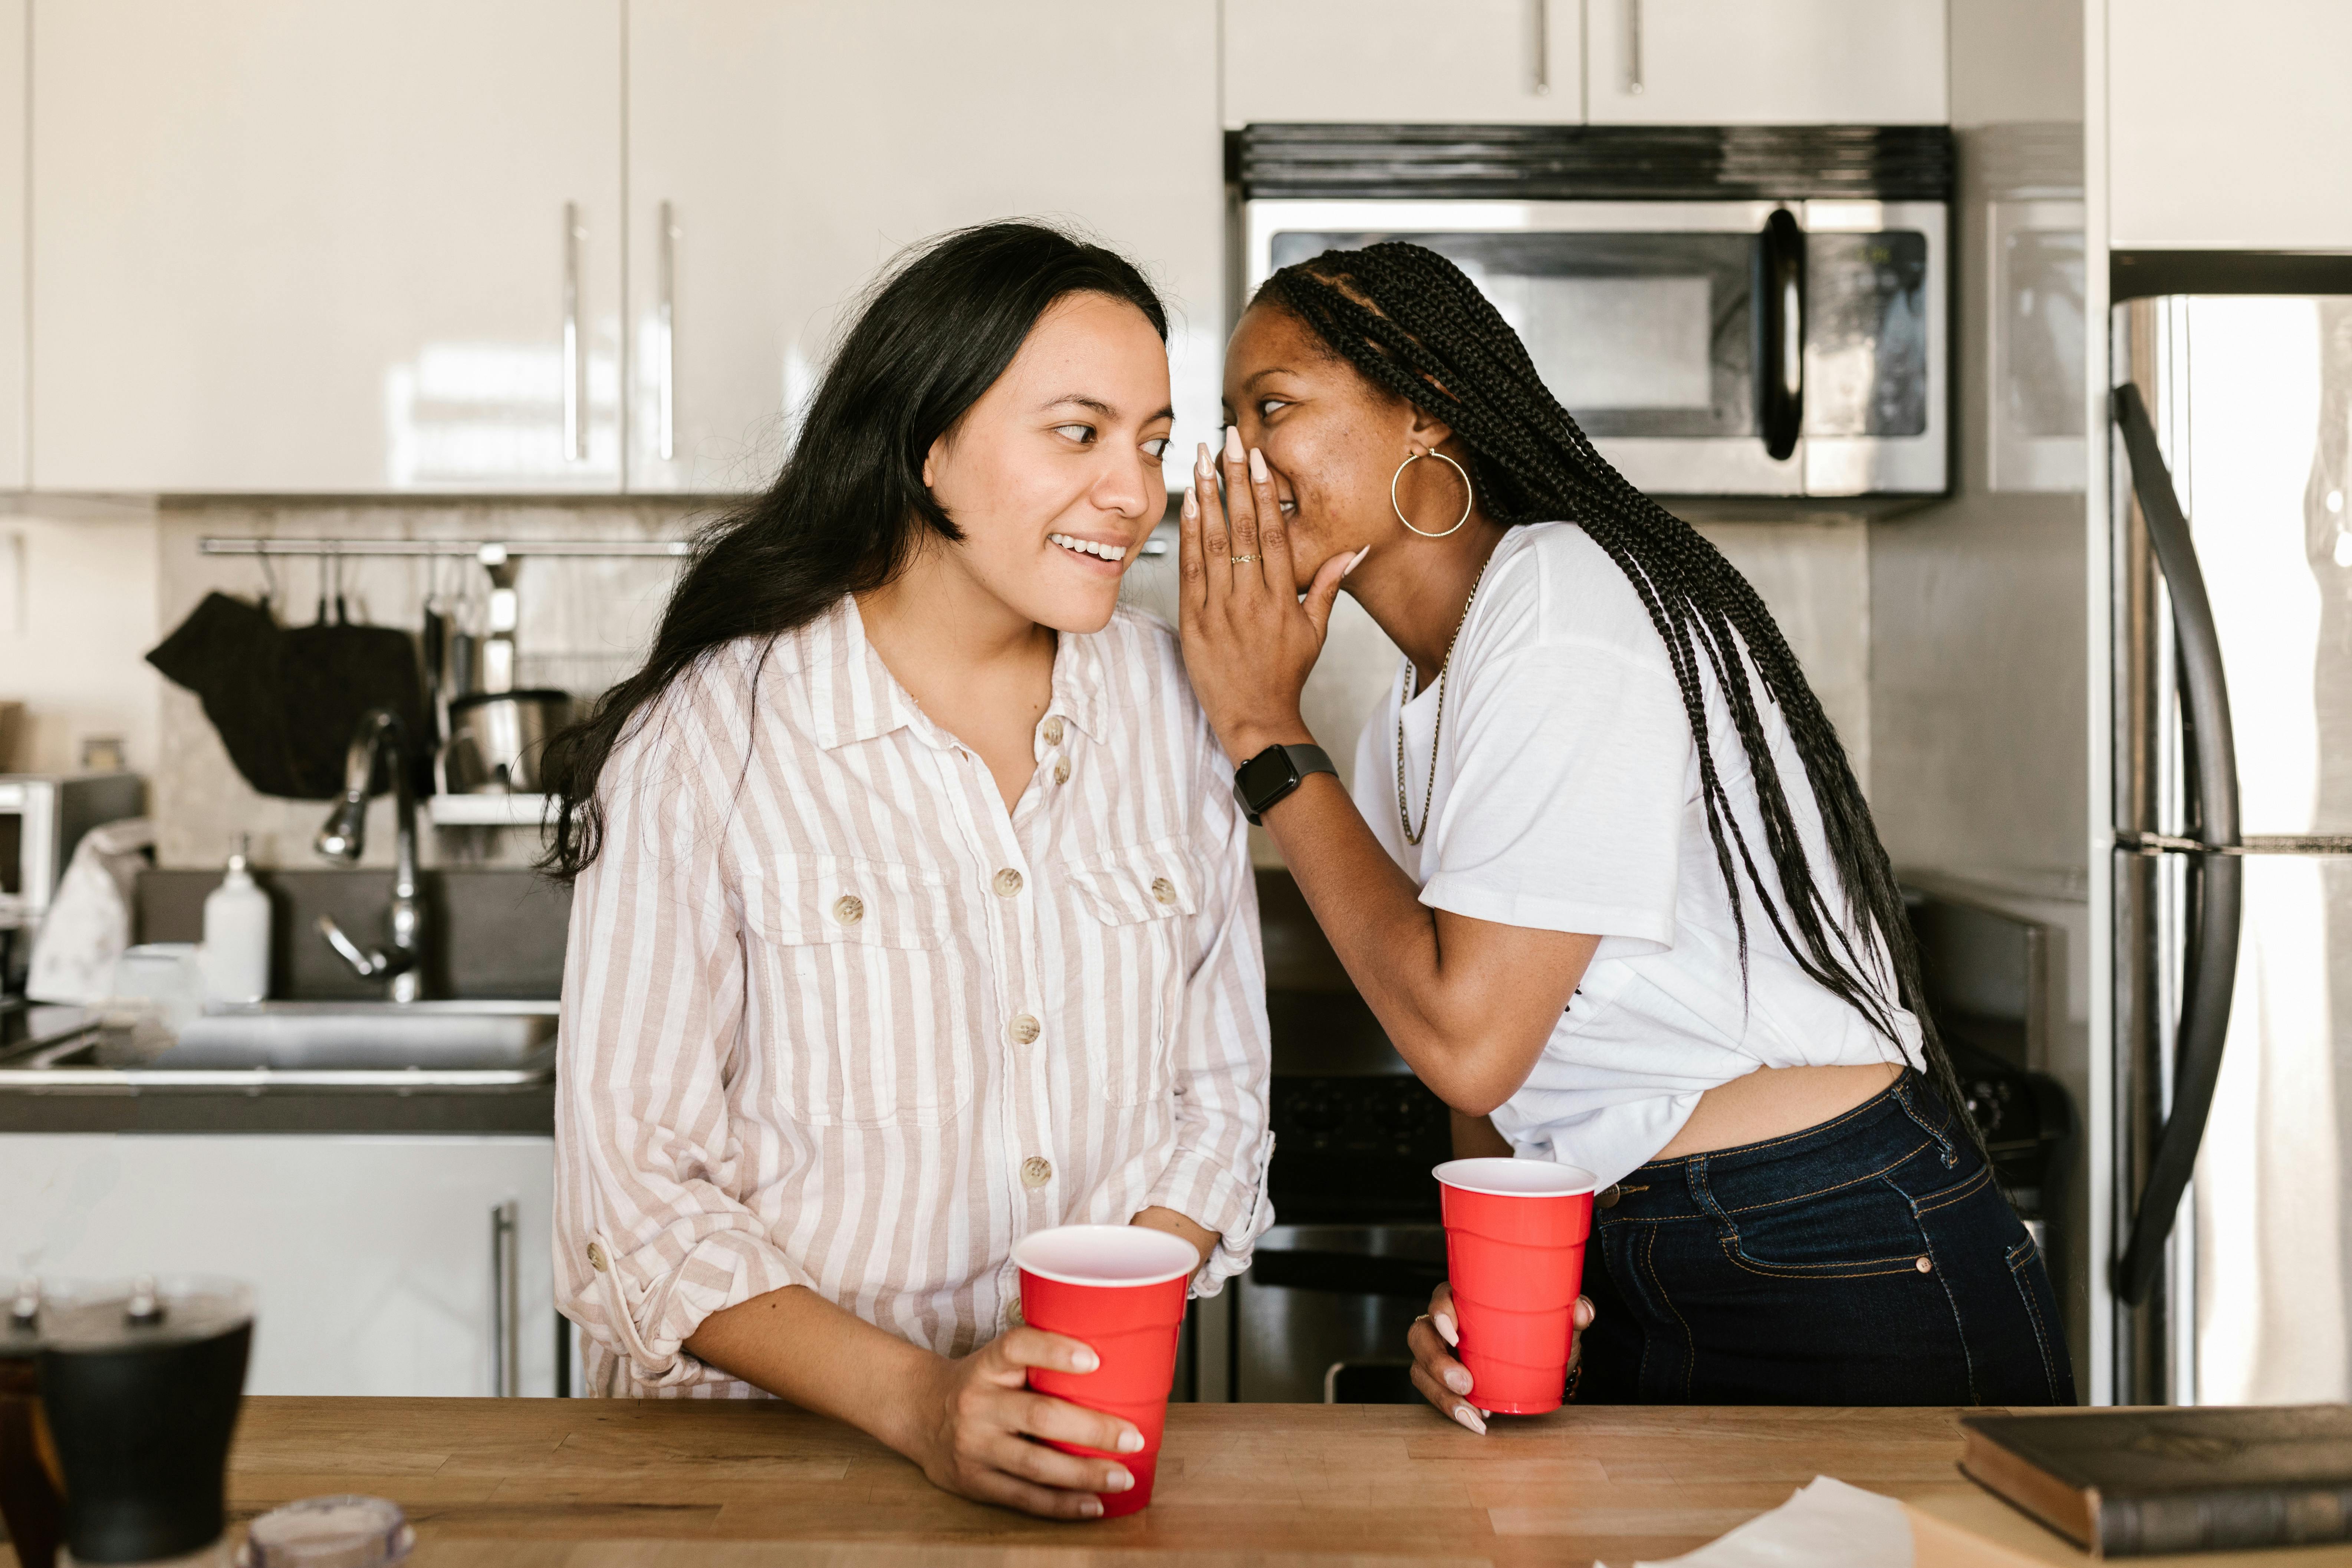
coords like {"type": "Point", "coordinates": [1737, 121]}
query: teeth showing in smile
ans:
{"type": "Point", "coordinates": [1088, 547]}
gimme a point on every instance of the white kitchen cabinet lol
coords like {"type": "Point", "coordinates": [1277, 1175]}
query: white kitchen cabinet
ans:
{"type": "Point", "coordinates": [781, 150]}
{"type": "Point", "coordinates": [369, 1258]}
{"type": "Point", "coordinates": [1480, 62]}
{"type": "Point", "coordinates": [279, 245]}
{"type": "Point", "coordinates": [13, 88]}
{"type": "Point", "coordinates": [2227, 125]}
{"type": "Point", "coordinates": [1765, 62]}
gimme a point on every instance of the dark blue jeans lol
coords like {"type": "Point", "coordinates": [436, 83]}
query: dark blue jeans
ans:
{"type": "Point", "coordinates": [1869, 1260]}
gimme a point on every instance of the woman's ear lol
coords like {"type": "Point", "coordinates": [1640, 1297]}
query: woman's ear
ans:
{"type": "Point", "coordinates": [1427, 430]}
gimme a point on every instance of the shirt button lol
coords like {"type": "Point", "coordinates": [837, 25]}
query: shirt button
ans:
{"type": "Point", "coordinates": [850, 909]}
{"type": "Point", "coordinates": [1163, 889]}
{"type": "Point", "coordinates": [596, 1258]}
{"type": "Point", "coordinates": [1061, 773]}
{"type": "Point", "coordinates": [1035, 1172]}
{"type": "Point", "coordinates": [1008, 882]}
{"type": "Point", "coordinates": [1053, 731]}
{"type": "Point", "coordinates": [1025, 1030]}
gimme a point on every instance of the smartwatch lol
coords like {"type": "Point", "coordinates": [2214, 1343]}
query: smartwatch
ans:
{"type": "Point", "coordinates": [1266, 779]}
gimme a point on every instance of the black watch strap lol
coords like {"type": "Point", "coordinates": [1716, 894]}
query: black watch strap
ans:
{"type": "Point", "coordinates": [1260, 783]}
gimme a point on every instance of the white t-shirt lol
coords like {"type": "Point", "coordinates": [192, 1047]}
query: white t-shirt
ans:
{"type": "Point", "coordinates": [1566, 799]}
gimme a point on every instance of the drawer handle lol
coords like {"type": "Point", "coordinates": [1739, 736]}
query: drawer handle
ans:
{"type": "Point", "coordinates": [506, 1358]}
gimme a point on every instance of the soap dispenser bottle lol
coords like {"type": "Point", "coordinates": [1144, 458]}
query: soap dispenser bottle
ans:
{"type": "Point", "coordinates": [236, 935]}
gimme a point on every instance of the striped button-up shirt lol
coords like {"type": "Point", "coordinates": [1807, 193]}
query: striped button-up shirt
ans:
{"type": "Point", "coordinates": [833, 1017]}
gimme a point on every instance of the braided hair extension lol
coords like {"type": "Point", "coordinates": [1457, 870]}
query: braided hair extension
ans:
{"type": "Point", "coordinates": [1411, 322]}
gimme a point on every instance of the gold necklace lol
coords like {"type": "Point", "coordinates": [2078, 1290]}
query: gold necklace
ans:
{"type": "Point", "coordinates": [1404, 811]}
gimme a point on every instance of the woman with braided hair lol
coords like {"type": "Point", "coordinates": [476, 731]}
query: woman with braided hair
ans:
{"type": "Point", "coordinates": [1606, 878]}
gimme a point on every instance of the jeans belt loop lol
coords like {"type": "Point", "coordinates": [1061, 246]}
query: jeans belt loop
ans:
{"type": "Point", "coordinates": [1902, 1093]}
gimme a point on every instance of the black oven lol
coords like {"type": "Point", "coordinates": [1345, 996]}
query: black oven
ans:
{"type": "Point", "coordinates": [1357, 1246]}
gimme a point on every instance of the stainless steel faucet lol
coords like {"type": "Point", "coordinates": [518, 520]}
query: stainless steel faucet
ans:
{"type": "Point", "coordinates": [345, 834]}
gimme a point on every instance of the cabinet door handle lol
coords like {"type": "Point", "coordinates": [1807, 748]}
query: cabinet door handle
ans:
{"type": "Point", "coordinates": [1543, 48]}
{"type": "Point", "coordinates": [667, 308]}
{"type": "Point", "coordinates": [575, 369]}
{"type": "Point", "coordinates": [1633, 48]}
{"type": "Point", "coordinates": [506, 1358]}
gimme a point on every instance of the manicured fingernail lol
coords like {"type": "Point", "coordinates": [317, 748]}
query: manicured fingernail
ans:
{"type": "Point", "coordinates": [1191, 501]}
{"type": "Point", "coordinates": [1131, 1441]}
{"type": "Point", "coordinates": [1090, 1509]}
{"type": "Point", "coordinates": [1257, 464]}
{"type": "Point", "coordinates": [1117, 1481]}
{"type": "Point", "coordinates": [1442, 1323]}
{"type": "Point", "coordinates": [1233, 443]}
{"type": "Point", "coordinates": [1201, 460]}
{"type": "Point", "coordinates": [1469, 1417]}
{"type": "Point", "coordinates": [1358, 561]}
{"type": "Point", "coordinates": [1084, 1359]}
{"type": "Point", "coordinates": [1458, 1380]}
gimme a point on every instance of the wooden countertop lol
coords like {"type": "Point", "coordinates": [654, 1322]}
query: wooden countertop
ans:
{"type": "Point", "coordinates": [591, 1483]}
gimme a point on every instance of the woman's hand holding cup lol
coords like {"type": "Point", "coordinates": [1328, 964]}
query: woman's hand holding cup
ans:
{"type": "Point", "coordinates": [1443, 1381]}
{"type": "Point", "coordinates": [985, 1432]}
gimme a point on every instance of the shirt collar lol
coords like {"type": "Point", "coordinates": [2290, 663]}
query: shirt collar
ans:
{"type": "Point", "coordinates": [854, 697]}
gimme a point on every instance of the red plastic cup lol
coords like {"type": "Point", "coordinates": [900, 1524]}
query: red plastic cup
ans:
{"type": "Point", "coordinates": [1515, 1233]}
{"type": "Point", "coordinates": [1121, 1290]}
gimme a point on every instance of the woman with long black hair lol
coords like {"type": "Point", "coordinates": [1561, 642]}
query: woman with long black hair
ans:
{"type": "Point", "coordinates": [1606, 879]}
{"type": "Point", "coordinates": [911, 909]}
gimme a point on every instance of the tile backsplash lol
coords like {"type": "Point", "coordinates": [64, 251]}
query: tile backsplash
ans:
{"type": "Point", "coordinates": [583, 623]}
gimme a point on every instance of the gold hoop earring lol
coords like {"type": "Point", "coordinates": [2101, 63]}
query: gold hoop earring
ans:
{"type": "Point", "coordinates": [1467, 497]}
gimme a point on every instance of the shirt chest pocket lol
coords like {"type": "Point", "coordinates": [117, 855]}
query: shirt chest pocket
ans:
{"type": "Point", "coordinates": [852, 1008]}
{"type": "Point", "coordinates": [1129, 959]}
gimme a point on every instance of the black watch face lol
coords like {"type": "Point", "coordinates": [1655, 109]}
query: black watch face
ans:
{"type": "Point", "coordinates": [1267, 776]}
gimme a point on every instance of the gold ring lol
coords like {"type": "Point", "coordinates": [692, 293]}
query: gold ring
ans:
{"type": "Point", "coordinates": [1240, 560]}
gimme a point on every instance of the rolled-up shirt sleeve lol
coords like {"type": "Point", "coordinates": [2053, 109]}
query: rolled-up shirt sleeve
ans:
{"type": "Point", "coordinates": [1216, 1176]}
{"type": "Point", "coordinates": [650, 1235]}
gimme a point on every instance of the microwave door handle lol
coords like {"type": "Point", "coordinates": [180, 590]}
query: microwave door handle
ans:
{"type": "Point", "coordinates": [2209, 954]}
{"type": "Point", "coordinates": [1781, 335]}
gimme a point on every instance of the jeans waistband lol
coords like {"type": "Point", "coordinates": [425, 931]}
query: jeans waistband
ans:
{"type": "Point", "coordinates": [1905, 1115]}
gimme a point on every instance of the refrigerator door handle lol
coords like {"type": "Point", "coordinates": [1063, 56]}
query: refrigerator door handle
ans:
{"type": "Point", "coordinates": [2210, 962]}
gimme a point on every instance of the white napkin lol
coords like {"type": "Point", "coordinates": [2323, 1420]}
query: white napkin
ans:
{"type": "Point", "coordinates": [1827, 1524]}
{"type": "Point", "coordinates": [88, 922]}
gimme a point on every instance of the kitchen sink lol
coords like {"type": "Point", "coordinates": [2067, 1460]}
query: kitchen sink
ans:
{"type": "Point", "coordinates": [373, 1046]}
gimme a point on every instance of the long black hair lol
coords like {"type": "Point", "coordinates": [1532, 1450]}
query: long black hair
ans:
{"type": "Point", "coordinates": [850, 507]}
{"type": "Point", "coordinates": [1411, 323]}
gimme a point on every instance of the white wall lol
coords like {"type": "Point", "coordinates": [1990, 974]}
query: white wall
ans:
{"type": "Point", "coordinates": [78, 613]}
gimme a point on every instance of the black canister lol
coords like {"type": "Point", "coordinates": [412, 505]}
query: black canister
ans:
{"type": "Point", "coordinates": [140, 1388]}
{"type": "Point", "coordinates": [29, 1503]}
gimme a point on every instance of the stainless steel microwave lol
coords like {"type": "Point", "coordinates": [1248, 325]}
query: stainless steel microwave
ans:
{"type": "Point", "coordinates": [1721, 326]}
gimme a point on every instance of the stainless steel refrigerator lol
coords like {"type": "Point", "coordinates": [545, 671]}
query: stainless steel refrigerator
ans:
{"type": "Point", "coordinates": [2231, 703]}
